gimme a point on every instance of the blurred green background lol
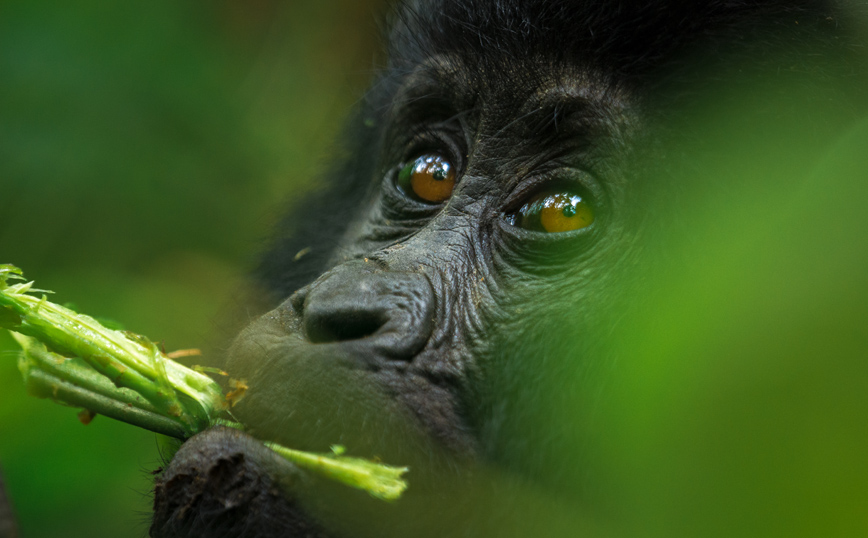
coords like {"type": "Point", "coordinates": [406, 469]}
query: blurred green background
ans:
{"type": "Point", "coordinates": [147, 147]}
{"type": "Point", "coordinates": [145, 150]}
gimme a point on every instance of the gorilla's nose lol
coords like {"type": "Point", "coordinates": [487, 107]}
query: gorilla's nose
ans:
{"type": "Point", "coordinates": [388, 313]}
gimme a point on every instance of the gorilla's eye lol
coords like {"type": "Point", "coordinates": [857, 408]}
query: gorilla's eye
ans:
{"type": "Point", "coordinates": [430, 179]}
{"type": "Point", "coordinates": [555, 212]}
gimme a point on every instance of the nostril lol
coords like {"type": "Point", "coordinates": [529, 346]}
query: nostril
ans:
{"type": "Point", "coordinates": [326, 327]}
{"type": "Point", "coordinates": [380, 315]}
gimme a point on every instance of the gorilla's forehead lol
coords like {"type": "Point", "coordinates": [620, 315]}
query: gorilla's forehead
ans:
{"type": "Point", "coordinates": [515, 113]}
{"type": "Point", "coordinates": [528, 87]}
{"type": "Point", "coordinates": [560, 30]}
{"type": "Point", "coordinates": [633, 43]}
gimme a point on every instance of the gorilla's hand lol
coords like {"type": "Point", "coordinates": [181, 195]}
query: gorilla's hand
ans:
{"type": "Point", "coordinates": [223, 482]}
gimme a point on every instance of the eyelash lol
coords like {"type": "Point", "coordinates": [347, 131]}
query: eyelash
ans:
{"type": "Point", "coordinates": [440, 139]}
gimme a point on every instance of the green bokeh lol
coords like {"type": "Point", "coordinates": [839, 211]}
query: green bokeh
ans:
{"type": "Point", "coordinates": [145, 150]}
{"type": "Point", "coordinates": [741, 407]}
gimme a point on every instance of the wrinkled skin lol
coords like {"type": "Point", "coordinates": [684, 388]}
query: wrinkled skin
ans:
{"type": "Point", "coordinates": [422, 333]}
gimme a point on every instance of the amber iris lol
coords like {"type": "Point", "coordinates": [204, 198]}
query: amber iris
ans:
{"type": "Point", "coordinates": [554, 213]}
{"type": "Point", "coordinates": [430, 178]}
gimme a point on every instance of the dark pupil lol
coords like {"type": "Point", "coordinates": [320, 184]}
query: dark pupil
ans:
{"type": "Point", "coordinates": [439, 174]}
{"type": "Point", "coordinates": [570, 211]}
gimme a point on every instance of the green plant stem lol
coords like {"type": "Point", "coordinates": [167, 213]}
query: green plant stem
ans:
{"type": "Point", "coordinates": [128, 360]}
{"type": "Point", "coordinates": [74, 360]}
{"type": "Point", "coordinates": [381, 481]}
{"type": "Point", "coordinates": [72, 382]}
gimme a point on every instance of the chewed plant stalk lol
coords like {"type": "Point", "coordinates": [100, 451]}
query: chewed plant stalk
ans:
{"type": "Point", "coordinates": [75, 360]}
{"type": "Point", "coordinates": [125, 360]}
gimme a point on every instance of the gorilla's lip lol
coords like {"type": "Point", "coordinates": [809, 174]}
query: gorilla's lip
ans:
{"type": "Point", "coordinates": [224, 482]}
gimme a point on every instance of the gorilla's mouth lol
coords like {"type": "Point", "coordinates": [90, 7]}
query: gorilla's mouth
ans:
{"type": "Point", "coordinates": [314, 395]}
{"type": "Point", "coordinates": [308, 396]}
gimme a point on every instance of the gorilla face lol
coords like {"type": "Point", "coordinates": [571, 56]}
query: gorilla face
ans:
{"type": "Point", "coordinates": [418, 289]}
{"type": "Point", "coordinates": [446, 300]}
{"type": "Point", "coordinates": [424, 294]}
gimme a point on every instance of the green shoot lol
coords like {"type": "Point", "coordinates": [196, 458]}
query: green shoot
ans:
{"type": "Point", "coordinates": [75, 360]}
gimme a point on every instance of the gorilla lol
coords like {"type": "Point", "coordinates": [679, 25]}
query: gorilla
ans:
{"type": "Point", "coordinates": [512, 205]}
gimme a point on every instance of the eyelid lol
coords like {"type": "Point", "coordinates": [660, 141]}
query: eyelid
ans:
{"type": "Point", "coordinates": [428, 138]}
{"type": "Point", "coordinates": [567, 179]}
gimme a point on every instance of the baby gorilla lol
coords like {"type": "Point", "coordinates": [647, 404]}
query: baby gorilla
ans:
{"type": "Point", "coordinates": [446, 301]}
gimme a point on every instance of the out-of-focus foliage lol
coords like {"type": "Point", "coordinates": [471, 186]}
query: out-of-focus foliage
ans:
{"type": "Point", "coordinates": [145, 149]}
{"type": "Point", "coordinates": [740, 406]}
{"type": "Point", "coordinates": [736, 403]}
